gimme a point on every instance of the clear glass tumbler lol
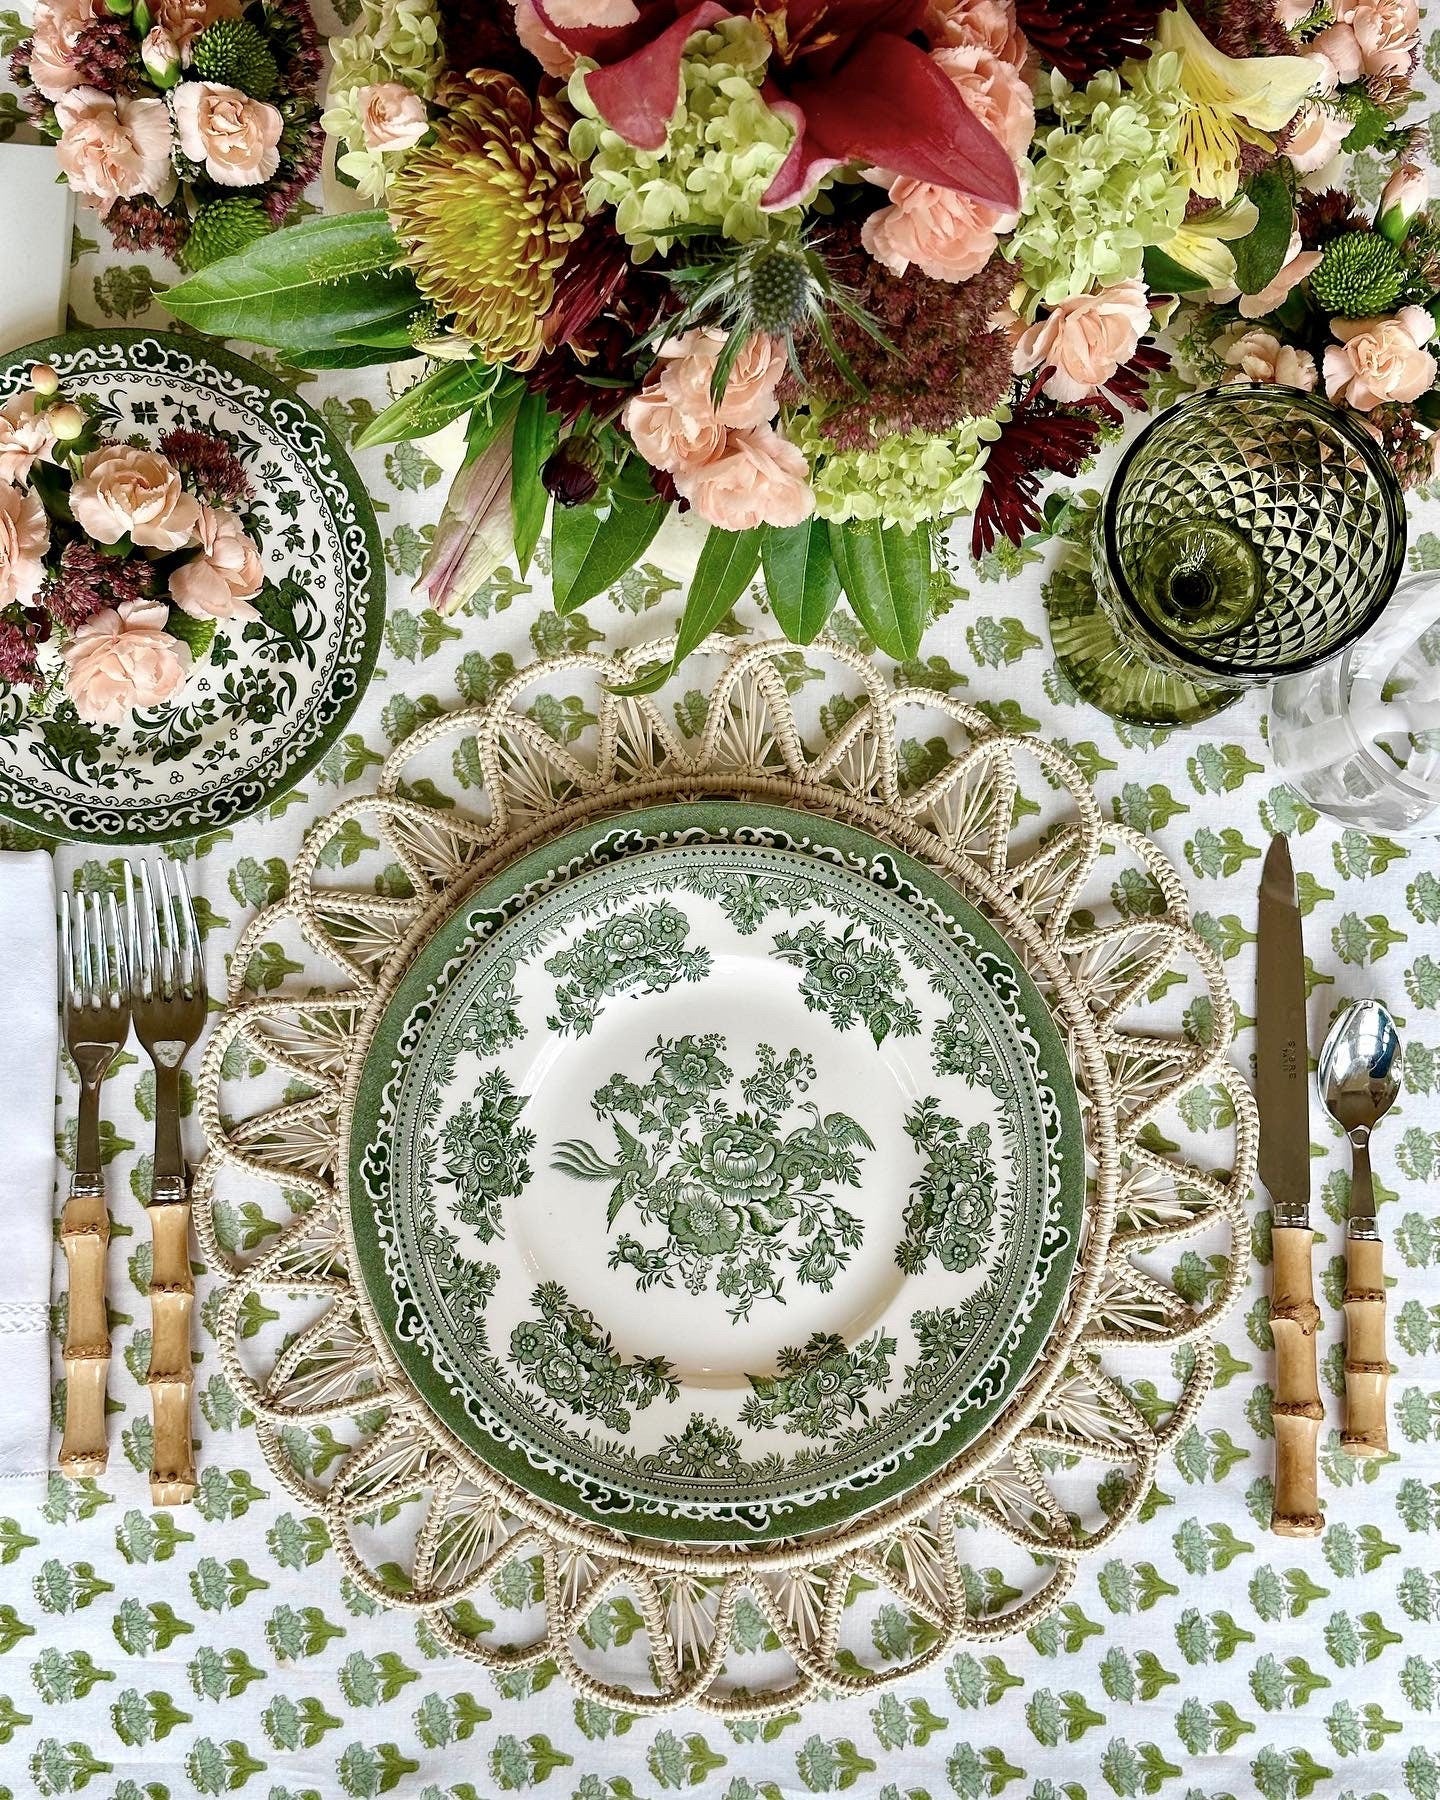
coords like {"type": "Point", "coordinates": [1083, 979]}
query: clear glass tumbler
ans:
{"type": "Point", "coordinates": [1360, 738]}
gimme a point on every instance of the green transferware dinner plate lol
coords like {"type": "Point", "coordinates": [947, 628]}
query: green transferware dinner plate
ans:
{"type": "Point", "coordinates": [716, 1174]}
{"type": "Point", "coordinates": [272, 696]}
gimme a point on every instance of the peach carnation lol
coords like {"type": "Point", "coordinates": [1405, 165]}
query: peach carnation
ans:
{"type": "Point", "coordinates": [123, 659]}
{"type": "Point", "coordinates": [760, 479]}
{"type": "Point", "coordinates": [1260, 357]}
{"type": "Point", "coordinates": [26, 437]}
{"type": "Point", "coordinates": [392, 116]}
{"type": "Point", "coordinates": [235, 137]}
{"type": "Point", "coordinates": [1377, 38]}
{"type": "Point", "coordinates": [1084, 340]}
{"type": "Point", "coordinates": [1378, 361]}
{"type": "Point", "coordinates": [123, 491]}
{"type": "Point", "coordinates": [225, 577]}
{"type": "Point", "coordinates": [57, 27]}
{"type": "Point", "coordinates": [184, 20]}
{"type": "Point", "coordinates": [114, 149]}
{"type": "Point", "coordinates": [24, 539]}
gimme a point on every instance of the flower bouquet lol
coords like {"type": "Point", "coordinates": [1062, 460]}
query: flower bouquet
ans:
{"type": "Point", "coordinates": [829, 275]}
{"type": "Point", "coordinates": [190, 126]}
{"type": "Point", "coordinates": [118, 563]}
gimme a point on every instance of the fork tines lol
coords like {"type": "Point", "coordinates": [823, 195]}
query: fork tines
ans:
{"type": "Point", "coordinates": [94, 967]}
{"type": "Point", "coordinates": [164, 934]}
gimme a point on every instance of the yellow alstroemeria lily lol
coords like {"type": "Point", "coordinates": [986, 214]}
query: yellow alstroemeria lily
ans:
{"type": "Point", "coordinates": [1228, 102]}
{"type": "Point", "coordinates": [1202, 245]}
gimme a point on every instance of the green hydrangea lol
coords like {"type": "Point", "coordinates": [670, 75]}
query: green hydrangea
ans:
{"type": "Point", "coordinates": [397, 41]}
{"type": "Point", "coordinates": [1103, 183]}
{"type": "Point", "coordinates": [912, 478]}
{"type": "Point", "coordinates": [723, 148]}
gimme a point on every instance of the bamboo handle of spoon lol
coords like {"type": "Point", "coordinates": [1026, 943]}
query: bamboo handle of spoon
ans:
{"type": "Point", "coordinates": [85, 1233]}
{"type": "Point", "coordinates": [1367, 1367]}
{"type": "Point", "coordinates": [1297, 1410]}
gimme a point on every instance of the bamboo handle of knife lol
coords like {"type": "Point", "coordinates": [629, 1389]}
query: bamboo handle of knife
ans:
{"type": "Point", "coordinates": [171, 1377]}
{"type": "Point", "coordinates": [1297, 1410]}
{"type": "Point", "coordinates": [1367, 1368]}
{"type": "Point", "coordinates": [85, 1234]}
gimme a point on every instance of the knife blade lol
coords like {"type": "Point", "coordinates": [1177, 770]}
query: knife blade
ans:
{"type": "Point", "coordinates": [1282, 1067]}
{"type": "Point", "coordinates": [1282, 1081]}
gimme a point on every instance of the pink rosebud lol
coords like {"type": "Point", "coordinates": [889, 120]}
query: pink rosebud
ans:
{"type": "Point", "coordinates": [1405, 193]}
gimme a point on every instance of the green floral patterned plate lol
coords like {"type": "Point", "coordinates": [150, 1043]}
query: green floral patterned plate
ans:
{"type": "Point", "coordinates": [717, 1175]}
{"type": "Point", "coordinates": [270, 698]}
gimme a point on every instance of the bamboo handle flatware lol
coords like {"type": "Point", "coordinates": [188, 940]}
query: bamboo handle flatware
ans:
{"type": "Point", "coordinates": [1283, 1083]}
{"type": "Point", "coordinates": [1296, 1409]}
{"type": "Point", "coordinates": [168, 1002]}
{"type": "Point", "coordinates": [95, 988]}
{"type": "Point", "coordinates": [1359, 1082]}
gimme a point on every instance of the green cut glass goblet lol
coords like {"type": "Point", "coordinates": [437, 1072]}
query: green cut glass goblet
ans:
{"type": "Point", "coordinates": [1247, 533]}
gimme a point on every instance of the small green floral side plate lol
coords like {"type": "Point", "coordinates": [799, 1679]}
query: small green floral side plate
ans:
{"type": "Point", "coordinates": [271, 696]}
{"type": "Point", "coordinates": [716, 1175]}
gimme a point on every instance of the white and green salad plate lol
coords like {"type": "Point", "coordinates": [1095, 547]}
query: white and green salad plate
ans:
{"type": "Point", "coordinates": [715, 1175]}
{"type": "Point", "coordinates": [266, 699]}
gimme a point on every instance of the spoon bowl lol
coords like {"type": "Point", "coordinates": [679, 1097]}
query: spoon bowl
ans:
{"type": "Point", "coordinates": [1359, 1071]}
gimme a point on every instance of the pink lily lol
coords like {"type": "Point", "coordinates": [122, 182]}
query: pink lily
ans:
{"type": "Point", "coordinates": [845, 73]}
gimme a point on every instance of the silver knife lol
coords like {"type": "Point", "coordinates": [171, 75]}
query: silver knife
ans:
{"type": "Point", "coordinates": [1282, 1071]}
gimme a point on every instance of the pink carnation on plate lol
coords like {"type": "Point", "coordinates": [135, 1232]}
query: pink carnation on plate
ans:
{"type": "Point", "coordinates": [123, 659]}
{"type": "Point", "coordinates": [1381, 360]}
{"type": "Point", "coordinates": [24, 539]}
{"type": "Point", "coordinates": [114, 149]}
{"type": "Point", "coordinates": [124, 491]}
{"type": "Point", "coordinates": [225, 577]}
{"type": "Point", "coordinates": [26, 437]}
{"type": "Point", "coordinates": [1085, 340]}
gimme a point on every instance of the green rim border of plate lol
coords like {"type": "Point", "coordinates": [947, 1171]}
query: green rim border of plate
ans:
{"type": "Point", "coordinates": [719, 819]}
{"type": "Point", "coordinates": [202, 350]}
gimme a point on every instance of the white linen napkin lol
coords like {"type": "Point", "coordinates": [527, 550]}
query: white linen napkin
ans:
{"type": "Point", "coordinates": [35, 271]}
{"type": "Point", "coordinates": [29, 1055]}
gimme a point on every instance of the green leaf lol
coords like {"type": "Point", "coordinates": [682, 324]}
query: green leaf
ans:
{"type": "Point", "coordinates": [430, 404]}
{"type": "Point", "coordinates": [199, 634]}
{"type": "Point", "coordinates": [303, 289]}
{"type": "Point", "coordinates": [801, 579]}
{"type": "Point", "coordinates": [591, 550]}
{"type": "Point", "coordinates": [725, 568]}
{"type": "Point", "coordinates": [886, 576]}
{"type": "Point", "coordinates": [1260, 256]}
{"type": "Point", "coordinates": [536, 432]}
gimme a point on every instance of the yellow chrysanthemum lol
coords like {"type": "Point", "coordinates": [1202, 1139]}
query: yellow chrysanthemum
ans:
{"type": "Point", "coordinates": [1229, 102]}
{"type": "Point", "coordinates": [487, 214]}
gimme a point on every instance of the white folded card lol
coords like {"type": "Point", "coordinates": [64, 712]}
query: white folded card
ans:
{"type": "Point", "coordinates": [35, 240]}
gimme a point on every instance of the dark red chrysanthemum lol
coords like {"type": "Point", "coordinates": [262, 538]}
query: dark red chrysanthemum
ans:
{"type": "Point", "coordinates": [210, 468]}
{"type": "Point", "coordinates": [1081, 37]}
{"type": "Point", "coordinates": [1040, 438]}
{"type": "Point", "coordinates": [483, 37]}
{"type": "Point", "coordinates": [1329, 214]}
{"type": "Point", "coordinates": [86, 581]}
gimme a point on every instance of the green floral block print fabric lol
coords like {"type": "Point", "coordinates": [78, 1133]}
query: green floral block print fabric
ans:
{"type": "Point", "coordinates": [217, 1650]}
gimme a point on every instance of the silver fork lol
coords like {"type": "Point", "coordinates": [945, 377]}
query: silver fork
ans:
{"type": "Point", "coordinates": [96, 987]}
{"type": "Point", "coordinates": [168, 1004]}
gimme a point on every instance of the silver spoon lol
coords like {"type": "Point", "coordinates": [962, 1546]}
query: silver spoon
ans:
{"type": "Point", "coordinates": [1359, 1078]}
